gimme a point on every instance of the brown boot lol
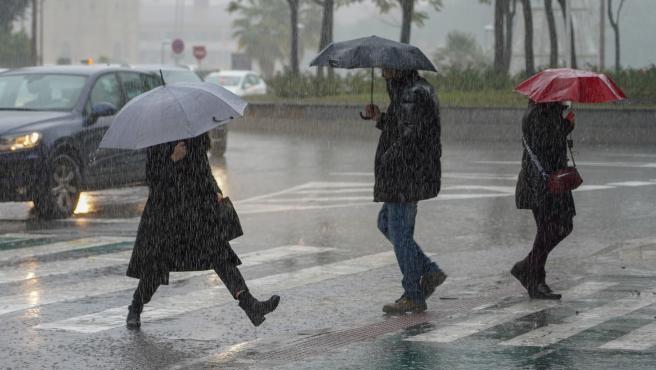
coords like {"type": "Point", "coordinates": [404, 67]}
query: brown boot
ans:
{"type": "Point", "coordinates": [404, 305]}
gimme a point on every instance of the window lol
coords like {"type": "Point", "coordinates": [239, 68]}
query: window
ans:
{"type": "Point", "coordinates": [40, 91]}
{"type": "Point", "coordinates": [107, 90]}
{"type": "Point", "coordinates": [134, 84]}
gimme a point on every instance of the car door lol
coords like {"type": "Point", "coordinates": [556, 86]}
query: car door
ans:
{"type": "Point", "coordinates": [133, 85]}
{"type": "Point", "coordinates": [250, 85]}
{"type": "Point", "coordinates": [101, 163]}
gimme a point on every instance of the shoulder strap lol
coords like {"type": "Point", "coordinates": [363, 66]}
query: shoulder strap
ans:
{"type": "Point", "coordinates": [535, 160]}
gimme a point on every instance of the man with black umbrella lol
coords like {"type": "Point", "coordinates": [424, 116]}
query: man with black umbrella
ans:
{"type": "Point", "coordinates": [408, 170]}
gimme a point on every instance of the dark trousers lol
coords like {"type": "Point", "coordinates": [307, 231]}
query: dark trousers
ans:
{"type": "Point", "coordinates": [551, 230]}
{"type": "Point", "coordinates": [229, 275]}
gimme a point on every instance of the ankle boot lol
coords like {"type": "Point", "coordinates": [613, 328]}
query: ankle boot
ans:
{"type": "Point", "coordinates": [134, 317]}
{"type": "Point", "coordinates": [254, 309]}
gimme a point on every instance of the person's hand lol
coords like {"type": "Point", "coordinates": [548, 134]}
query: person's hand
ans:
{"type": "Point", "coordinates": [179, 152]}
{"type": "Point", "coordinates": [571, 117]}
{"type": "Point", "coordinates": [219, 197]}
{"type": "Point", "coordinates": [372, 111]}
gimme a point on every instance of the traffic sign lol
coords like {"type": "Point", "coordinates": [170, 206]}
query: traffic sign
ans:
{"type": "Point", "coordinates": [177, 46]}
{"type": "Point", "coordinates": [200, 52]}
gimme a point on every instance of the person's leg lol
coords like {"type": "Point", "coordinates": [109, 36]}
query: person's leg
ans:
{"type": "Point", "coordinates": [141, 296]}
{"type": "Point", "coordinates": [236, 285]}
{"type": "Point", "coordinates": [383, 224]}
{"type": "Point", "coordinates": [401, 219]}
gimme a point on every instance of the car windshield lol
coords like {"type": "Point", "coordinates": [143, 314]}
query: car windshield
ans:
{"type": "Point", "coordinates": [40, 91]}
{"type": "Point", "coordinates": [225, 80]}
{"type": "Point", "coordinates": [171, 77]}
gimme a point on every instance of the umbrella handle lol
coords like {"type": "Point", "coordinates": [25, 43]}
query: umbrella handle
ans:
{"type": "Point", "coordinates": [364, 117]}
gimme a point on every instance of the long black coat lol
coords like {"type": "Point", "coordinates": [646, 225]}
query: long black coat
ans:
{"type": "Point", "coordinates": [546, 133]}
{"type": "Point", "coordinates": [407, 165]}
{"type": "Point", "coordinates": [178, 229]}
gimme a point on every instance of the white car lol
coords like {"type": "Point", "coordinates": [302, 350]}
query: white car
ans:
{"type": "Point", "coordinates": [241, 83]}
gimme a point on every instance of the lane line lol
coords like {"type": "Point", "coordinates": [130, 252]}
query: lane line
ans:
{"type": "Point", "coordinates": [64, 246]}
{"type": "Point", "coordinates": [109, 284]}
{"type": "Point", "coordinates": [486, 320]}
{"type": "Point", "coordinates": [640, 339]}
{"type": "Point", "coordinates": [572, 325]}
{"type": "Point", "coordinates": [175, 305]}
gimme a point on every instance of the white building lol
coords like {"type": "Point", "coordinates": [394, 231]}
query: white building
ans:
{"type": "Point", "coordinates": [74, 30]}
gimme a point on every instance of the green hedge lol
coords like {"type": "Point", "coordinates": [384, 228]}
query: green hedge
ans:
{"type": "Point", "coordinates": [638, 84]}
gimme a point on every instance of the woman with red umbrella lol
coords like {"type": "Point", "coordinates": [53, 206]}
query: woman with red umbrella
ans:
{"type": "Point", "coordinates": [545, 182]}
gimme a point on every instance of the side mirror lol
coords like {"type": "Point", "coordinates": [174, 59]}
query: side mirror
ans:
{"type": "Point", "coordinates": [103, 109]}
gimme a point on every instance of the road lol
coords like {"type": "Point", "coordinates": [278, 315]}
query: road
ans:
{"type": "Point", "coordinates": [305, 201]}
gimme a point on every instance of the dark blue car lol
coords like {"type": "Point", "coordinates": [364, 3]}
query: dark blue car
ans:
{"type": "Point", "coordinates": [51, 122]}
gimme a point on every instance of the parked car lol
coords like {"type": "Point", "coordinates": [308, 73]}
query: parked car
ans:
{"type": "Point", "coordinates": [241, 83]}
{"type": "Point", "coordinates": [175, 74]}
{"type": "Point", "coordinates": [52, 120]}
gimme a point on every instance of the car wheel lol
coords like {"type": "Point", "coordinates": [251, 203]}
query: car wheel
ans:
{"type": "Point", "coordinates": [62, 190]}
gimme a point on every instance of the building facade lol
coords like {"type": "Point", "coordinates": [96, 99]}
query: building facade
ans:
{"type": "Point", "coordinates": [75, 30]}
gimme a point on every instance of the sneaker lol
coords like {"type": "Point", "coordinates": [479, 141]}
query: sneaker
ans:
{"type": "Point", "coordinates": [404, 305]}
{"type": "Point", "coordinates": [431, 281]}
{"type": "Point", "coordinates": [134, 319]}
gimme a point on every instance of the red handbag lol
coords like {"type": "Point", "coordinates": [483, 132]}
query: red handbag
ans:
{"type": "Point", "coordinates": [560, 181]}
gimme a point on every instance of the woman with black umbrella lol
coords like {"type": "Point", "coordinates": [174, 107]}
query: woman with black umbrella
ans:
{"type": "Point", "coordinates": [545, 131]}
{"type": "Point", "coordinates": [180, 229]}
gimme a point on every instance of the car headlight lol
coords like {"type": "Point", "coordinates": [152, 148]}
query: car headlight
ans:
{"type": "Point", "coordinates": [15, 143]}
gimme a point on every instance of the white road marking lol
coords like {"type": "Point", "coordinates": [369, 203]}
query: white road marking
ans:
{"type": "Point", "coordinates": [573, 325]}
{"type": "Point", "coordinates": [32, 269]}
{"type": "Point", "coordinates": [632, 183]}
{"type": "Point", "coordinates": [640, 339]}
{"type": "Point", "coordinates": [64, 246]}
{"type": "Point", "coordinates": [585, 164]}
{"type": "Point", "coordinates": [484, 320]}
{"type": "Point", "coordinates": [108, 284]}
{"type": "Point", "coordinates": [165, 307]}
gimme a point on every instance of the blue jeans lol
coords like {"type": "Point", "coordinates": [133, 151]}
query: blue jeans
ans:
{"type": "Point", "coordinates": [397, 222]}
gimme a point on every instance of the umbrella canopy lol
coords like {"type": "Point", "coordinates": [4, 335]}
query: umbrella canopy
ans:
{"type": "Point", "coordinates": [172, 112]}
{"type": "Point", "coordinates": [564, 84]}
{"type": "Point", "coordinates": [373, 52]}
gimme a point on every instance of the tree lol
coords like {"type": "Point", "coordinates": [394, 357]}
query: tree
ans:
{"type": "Point", "coordinates": [461, 52]}
{"type": "Point", "coordinates": [10, 11]}
{"type": "Point", "coordinates": [263, 33]}
{"type": "Point", "coordinates": [553, 36]}
{"type": "Point", "coordinates": [293, 61]}
{"type": "Point", "coordinates": [615, 23]}
{"type": "Point", "coordinates": [327, 26]}
{"type": "Point", "coordinates": [409, 15]}
{"type": "Point", "coordinates": [504, 14]}
{"type": "Point", "coordinates": [572, 51]}
{"type": "Point", "coordinates": [528, 37]}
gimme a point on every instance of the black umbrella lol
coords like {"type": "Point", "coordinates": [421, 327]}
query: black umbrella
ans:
{"type": "Point", "coordinates": [373, 52]}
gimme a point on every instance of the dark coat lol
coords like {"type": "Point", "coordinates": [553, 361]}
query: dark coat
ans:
{"type": "Point", "coordinates": [178, 229]}
{"type": "Point", "coordinates": [407, 165]}
{"type": "Point", "coordinates": [546, 134]}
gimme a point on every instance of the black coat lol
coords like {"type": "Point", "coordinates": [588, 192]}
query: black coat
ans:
{"type": "Point", "coordinates": [178, 229]}
{"type": "Point", "coordinates": [546, 133]}
{"type": "Point", "coordinates": [407, 165]}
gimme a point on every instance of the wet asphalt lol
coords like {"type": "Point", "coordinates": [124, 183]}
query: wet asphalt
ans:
{"type": "Point", "coordinates": [310, 235]}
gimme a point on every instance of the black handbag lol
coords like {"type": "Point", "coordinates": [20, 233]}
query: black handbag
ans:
{"type": "Point", "coordinates": [229, 225]}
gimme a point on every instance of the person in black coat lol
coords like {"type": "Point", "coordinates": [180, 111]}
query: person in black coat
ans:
{"type": "Point", "coordinates": [408, 170]}
{"type": "Point", "coordinates": [545, 133]}
{"type": "Point", "coordinates": [179, 231]}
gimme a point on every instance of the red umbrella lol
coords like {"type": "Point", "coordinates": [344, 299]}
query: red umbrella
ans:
{"type": "Point", "coordinates": [564, 84]}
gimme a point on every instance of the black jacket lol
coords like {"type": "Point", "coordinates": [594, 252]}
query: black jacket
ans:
{"type": "Point", "coordinates": [546, 134]}
{"type": "Point", "coordinates": [178, 229]}
{"type": "Point", "coordinates": [407, 165]}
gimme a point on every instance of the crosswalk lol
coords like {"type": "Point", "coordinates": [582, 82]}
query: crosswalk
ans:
{"type": "Point", "coordinates": [24, 260]}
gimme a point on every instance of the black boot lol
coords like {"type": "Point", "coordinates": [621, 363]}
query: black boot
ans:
{"type": "Point", "coordinates": [519, 271]}
{"type": "Point", "coordinates": [134, 318]}
{"type": "Point", "coordinates": [256, 309]}
{"type": "Point", "coordinates": [542, 291]}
